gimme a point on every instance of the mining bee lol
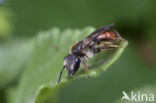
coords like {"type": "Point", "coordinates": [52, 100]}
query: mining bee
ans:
{"type": "Point", "coordinates": [101, 39]}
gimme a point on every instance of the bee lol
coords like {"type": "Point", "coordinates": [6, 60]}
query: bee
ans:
{"type": "Point", "coordinates": [101, 39]}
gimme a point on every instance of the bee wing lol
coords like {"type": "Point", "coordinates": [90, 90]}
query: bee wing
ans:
{"type": "Point", "coordinates": [95, 34]}
{"type": "Point", "coordinates": [100, 30]}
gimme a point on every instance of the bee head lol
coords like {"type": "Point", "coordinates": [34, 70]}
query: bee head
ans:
{"type": "Point", "coordinates": [71, 63]}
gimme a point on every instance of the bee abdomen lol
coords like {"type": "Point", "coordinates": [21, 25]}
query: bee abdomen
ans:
{"type": "Point", "coordinates": [109, 34]}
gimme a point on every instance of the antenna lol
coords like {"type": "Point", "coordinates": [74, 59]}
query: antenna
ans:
{"type": "Point", "coordinates": [61, 73]}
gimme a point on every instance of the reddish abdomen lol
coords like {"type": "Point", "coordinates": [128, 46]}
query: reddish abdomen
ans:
{"type": "Point", "coordinates": [108, 34]}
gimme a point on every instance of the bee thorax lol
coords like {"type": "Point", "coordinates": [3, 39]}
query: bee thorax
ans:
{"type": "Point", "coordinates": [89, 53]}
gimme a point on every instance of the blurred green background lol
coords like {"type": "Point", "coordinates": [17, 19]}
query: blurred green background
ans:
{"type": "Point", "coordinates": [24, 21]}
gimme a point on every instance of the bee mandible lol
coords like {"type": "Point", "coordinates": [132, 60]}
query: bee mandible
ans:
{"type": "Point", "coordinates": [101, 39]}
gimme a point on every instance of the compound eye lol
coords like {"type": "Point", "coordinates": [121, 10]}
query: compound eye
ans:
{"type": "Point", "coordinates": [76, 64]}
{"type": "Point", "coordinates": [76, 60]}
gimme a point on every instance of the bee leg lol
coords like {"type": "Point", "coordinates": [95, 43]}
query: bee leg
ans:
{"type": "Point", "coordinates": [69, 74]}
{"type": "Point", "coordinates": [111, 47]}
{"type": "Point", "coordinates": [116, 46]}
{"type": "Point", "coordinates": [86, 68]}
{"type": "Point", "coordinates": [105, 40]}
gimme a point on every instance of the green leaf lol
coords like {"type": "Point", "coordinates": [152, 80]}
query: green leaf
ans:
{"type": "Point", "coordinates": [14, 55]}
{"type": "Point", "coordinates": [128, 73]}
{"type": "Point", "coordinates": [39, 81]}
